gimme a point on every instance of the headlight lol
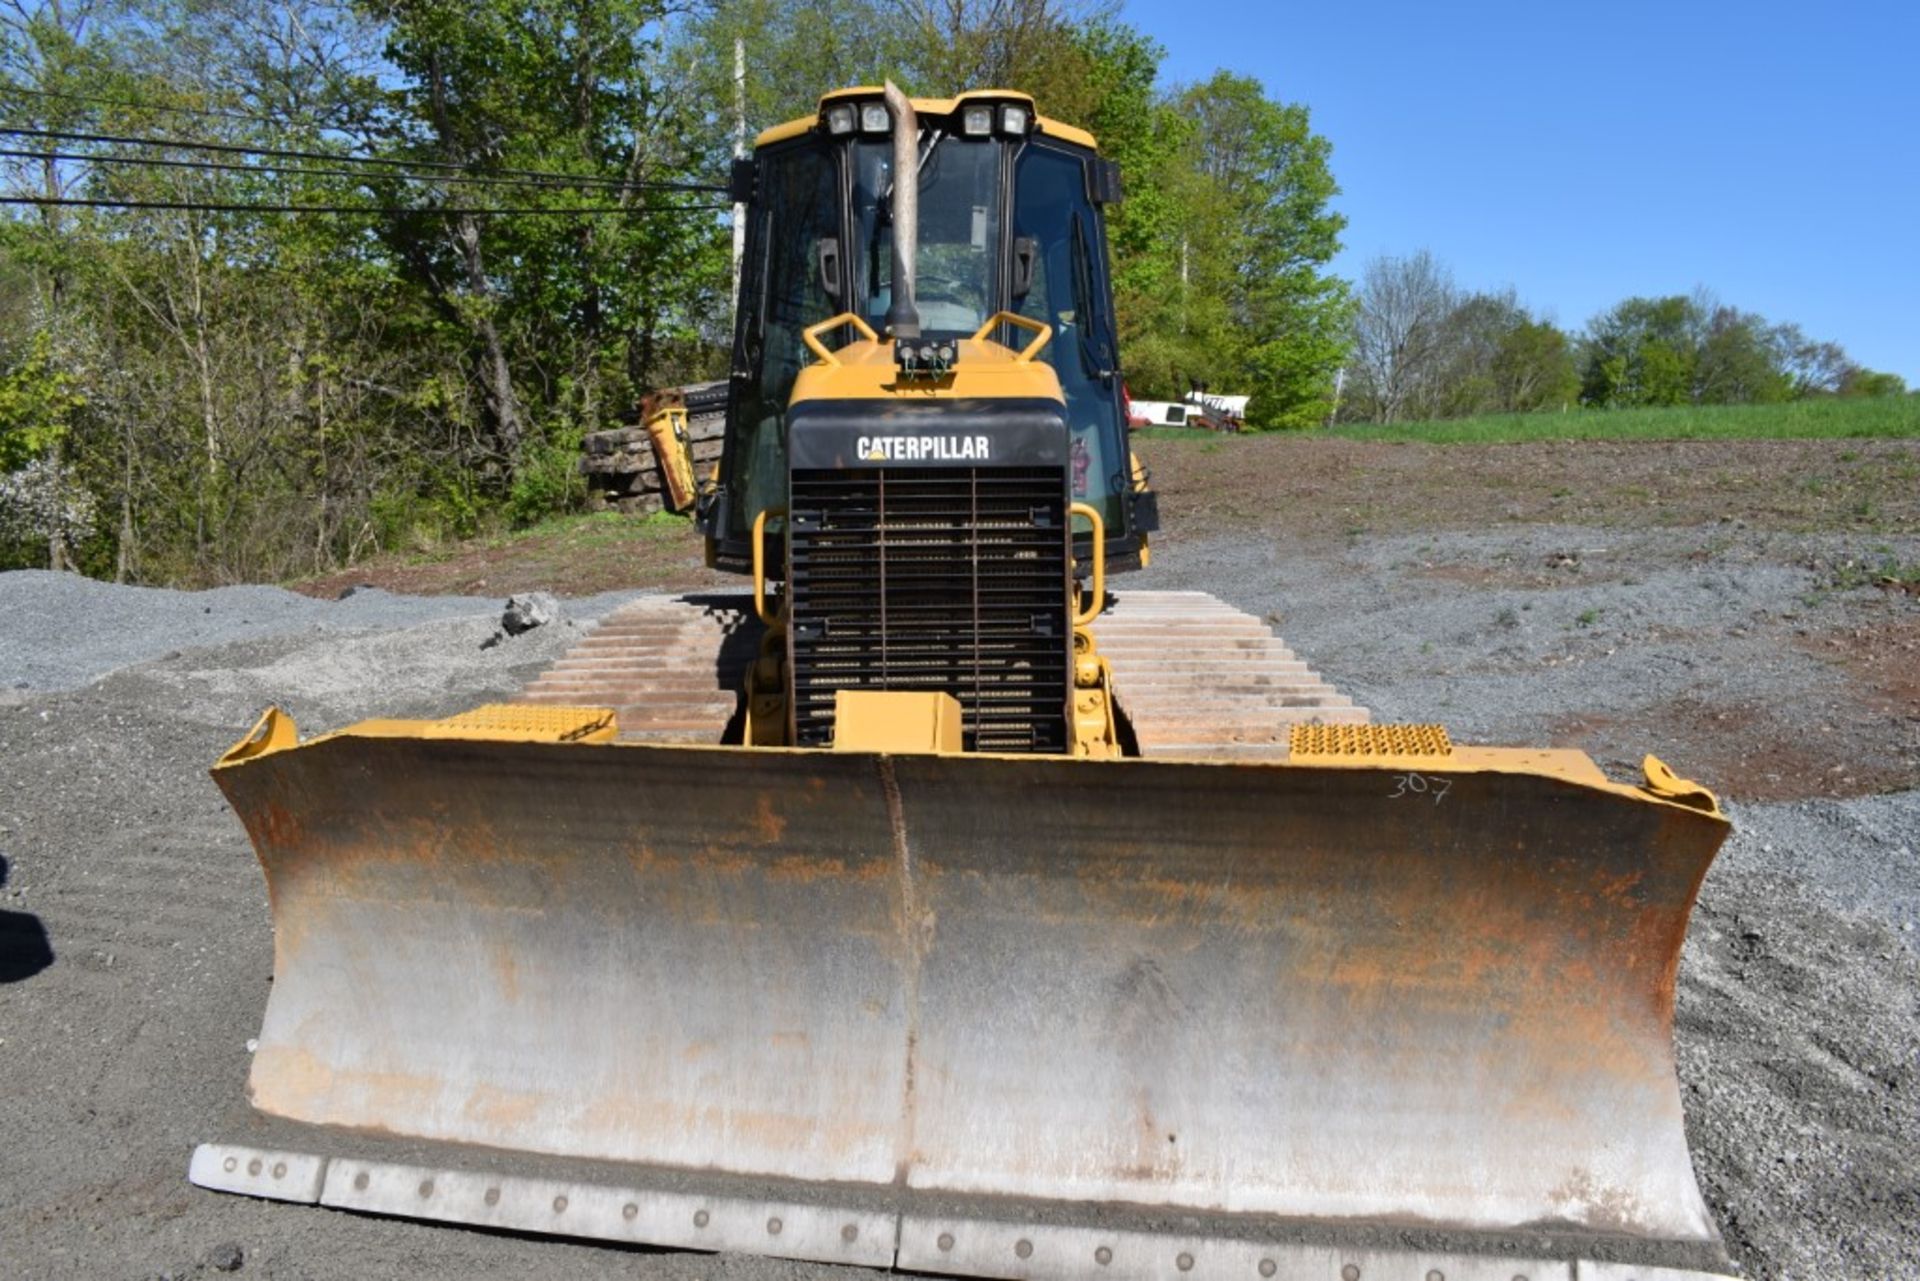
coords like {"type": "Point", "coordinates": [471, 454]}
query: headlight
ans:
{"type": "Point", "coordinates": [840, 119]}
{"type": "Point", "coordinates": [874, 117]}
{"type": "Point", "coordinates": [1014, 119]}
{"type": "Point", "coordinates": [977, 122]}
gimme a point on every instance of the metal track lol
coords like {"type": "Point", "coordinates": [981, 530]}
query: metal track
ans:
{"type": "Point", "coordinates": [671, 667]}
{"type": "Point", "coordinates": [1196, 678]}
{"type": "Point", "coordinates": [1199, 679]}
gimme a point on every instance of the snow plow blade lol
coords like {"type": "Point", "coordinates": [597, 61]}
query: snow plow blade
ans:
{"type": "Point", "coordinates": [1295, 1002]}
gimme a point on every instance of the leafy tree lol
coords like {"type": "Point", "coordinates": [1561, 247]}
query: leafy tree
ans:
{"type": "Point", "coordinates": [1262, 311]}
{"type": "Point", "coordinates": [496, 86]}
{"type": "Point", "coordinates": [1533, 368]}
{"type": "Point", "coordinates": [37, 403]}
{"type": "Point", "coordinates": [1810, 367]}
{"type": "Point", "coordinates": [1862, 382]}
{"type": "Point", "coordinates": [1644, 351]}
{"type": "Point", "coordinates": [1033, 45]}
{"type": "Point", "coordinates": [1738, 362]}
{"type": "Point", "coordinates": [1692, 350]}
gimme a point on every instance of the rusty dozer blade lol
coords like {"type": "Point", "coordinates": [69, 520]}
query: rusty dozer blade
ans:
{"type": "Point", "coordinates": [1426, 993]}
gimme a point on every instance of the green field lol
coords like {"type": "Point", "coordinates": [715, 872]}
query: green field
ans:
{"type": "Point", "coordinates": [1799, 419]}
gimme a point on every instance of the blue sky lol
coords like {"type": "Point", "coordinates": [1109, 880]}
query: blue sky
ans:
{"type": "Point", "coordinates": [1584, 153]}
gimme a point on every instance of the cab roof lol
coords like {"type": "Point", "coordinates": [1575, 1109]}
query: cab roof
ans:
{"type": "Point", "coordinates": [926, 107]}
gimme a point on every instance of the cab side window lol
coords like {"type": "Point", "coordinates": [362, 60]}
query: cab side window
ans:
{"type": "Point", "coordinates": [1069, 293]}
{"type": "Point", "coordinates": [798, 205]}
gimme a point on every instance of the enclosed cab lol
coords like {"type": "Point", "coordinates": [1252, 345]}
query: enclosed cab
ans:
{"type": "Point", "coordinates": [1011, 219]}
{"type": "Point", "coordinates": [926, 434]}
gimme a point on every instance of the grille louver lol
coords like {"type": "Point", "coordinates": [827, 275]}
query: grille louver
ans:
{"type": "Point", "coordinates": [951, 579]}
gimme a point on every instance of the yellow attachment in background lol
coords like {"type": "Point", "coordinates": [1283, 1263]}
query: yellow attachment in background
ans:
{"type": "Point", "coordinates": [667, 429]}
{"type": "Point", "coordinates": [1362, 744]}
{"type": "Point", "coordinates": [884, 720]}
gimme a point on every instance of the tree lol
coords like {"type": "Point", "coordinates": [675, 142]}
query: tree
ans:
{"type": "Point", "coordinates": [1400, 336]}
{"type": "Point", "coordinates": [951, 45]}
{"type": "Point", "coordinates": [1859, 381]}
{"type": "Point", "coordinates": [1738, 362]}
{"type": "Point", "coordinates": [1261, 310]}
{"type": "Point", "coordinates": [1810, 367]}
{"type": "Point", "coordinates": [41, 503]}
{"type": "Point", "coordinates": [498, 86]}
{"type": "Point", "coordinates": [1644, 351]}
{"type": "Point", "coordinates": [1692, 350]}
{"type": "Point", "coordinates": [1533, 368]}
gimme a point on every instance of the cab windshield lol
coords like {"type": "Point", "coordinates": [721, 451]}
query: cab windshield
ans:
{"type": "Point", "coordinates": [1003, 225]}
{"type": "Point", "coordinates": [960, 212]}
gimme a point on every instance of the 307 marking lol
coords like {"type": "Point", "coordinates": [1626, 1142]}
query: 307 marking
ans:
{"type": "Point", "coordinates": [1420, 785]}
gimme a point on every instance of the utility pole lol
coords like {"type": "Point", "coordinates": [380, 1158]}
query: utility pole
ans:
{"type": "Point", "coordinates": [1183, 282]}
{"type": "Point", "coordinates": [739, 152]}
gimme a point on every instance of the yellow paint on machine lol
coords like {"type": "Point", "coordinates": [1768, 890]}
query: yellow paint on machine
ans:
{"type": "Point", "coordinates": [938, 107]}
{"type": "Point", "coordinates": [982, 369]}
{"type": "Point", "coordinates": [873, 720]}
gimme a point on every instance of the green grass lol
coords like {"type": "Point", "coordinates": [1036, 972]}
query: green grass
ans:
{"type": "Point", "coordinates": [600, 529]}
{"type": "Point", "coordinates": [584, 531]}
{"type": "Point", "coordinates": [1800, 419]}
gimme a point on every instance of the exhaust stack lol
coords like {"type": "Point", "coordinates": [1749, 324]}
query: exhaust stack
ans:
{"type": "Point", "coordinates": [903, 319]}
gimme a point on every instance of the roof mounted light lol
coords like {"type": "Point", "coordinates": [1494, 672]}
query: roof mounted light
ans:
{"type": "Point", "coordinates": [840, 119]}
{"type": "Point", "coordinates": [874, 117]}
{"type": "Point", "coordinates": [1015, 118]}
{"type": "Point", "coordinates": [977, 121]}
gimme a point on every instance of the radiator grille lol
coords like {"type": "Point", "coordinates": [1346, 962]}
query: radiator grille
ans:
{"type": "Point", "coordinates": [951, 579]}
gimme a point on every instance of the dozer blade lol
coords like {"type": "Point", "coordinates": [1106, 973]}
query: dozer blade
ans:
{"type": "Point", "coordinates": [1353, 997]}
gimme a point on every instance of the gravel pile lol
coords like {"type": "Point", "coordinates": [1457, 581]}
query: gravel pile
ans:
{"type": "Point", "coordinates": [62, 631]}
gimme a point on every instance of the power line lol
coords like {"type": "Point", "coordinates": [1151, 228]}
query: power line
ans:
{"type": "Point", "coordinates": [546, 176]}
{"type": "Point", "coordinates": [266, 170]}
{"type": "Point", "coordinates": [209, 112]}
{"type": "Point", "coordinates": [61, 202]}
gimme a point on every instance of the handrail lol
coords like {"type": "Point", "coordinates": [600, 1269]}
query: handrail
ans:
{"type": "Point", "coordinates": [1043, 331]}
{"type": "Point", "coordinates": [760, 564]}
{"type": "Point", "coordinates": [811, 335]}
{"type": "Point", "coordinates": [1099, 583]}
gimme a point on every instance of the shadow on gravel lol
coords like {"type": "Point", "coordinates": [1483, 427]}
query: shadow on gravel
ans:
{"type": "Point", "coordinates": [25, 949]}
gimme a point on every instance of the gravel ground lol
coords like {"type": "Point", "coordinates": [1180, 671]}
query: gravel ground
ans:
{"type": "Point", "coordinates": [1799, 1002]}
{"type": "Point", "coordinates": [1800, 987]}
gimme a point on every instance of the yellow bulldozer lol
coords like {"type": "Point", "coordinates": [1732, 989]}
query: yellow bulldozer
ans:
{"type": "Point", "coordinates": [931, 906]}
